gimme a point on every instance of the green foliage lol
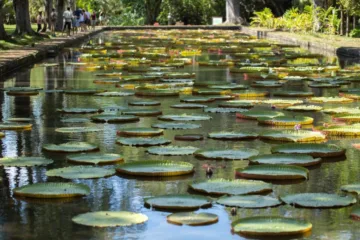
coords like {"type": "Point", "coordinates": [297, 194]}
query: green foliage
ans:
{"type": "Point", "coordinates": [355, 33]}
{"type": "Point", "coordinates": [128, 17]}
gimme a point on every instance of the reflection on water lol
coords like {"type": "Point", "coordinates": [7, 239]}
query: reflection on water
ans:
{"type": "Point", "coordinates": [37, 219]}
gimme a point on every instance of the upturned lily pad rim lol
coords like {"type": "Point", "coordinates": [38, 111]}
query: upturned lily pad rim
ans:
{"type": "Point", "coordinates": [24, 161]}
{"type": "Point", "coordinates": [349, 200]}
{"type": "Point", "coordinates": [307, 160]}
{"type": "Point", "coordinates": [143, 141]}
{"type": "Point", "coordinates": [351, 188]}
{"type": "Point", "coordinates": [272, 202]}
{"type": "Point", "coordinates": [289, 148]}
{"type": "Point", "coordinates": [55, 147]}
{"type": "Point", "coordinates": [66, 172]}
{"type": "Point", "coordinates": [140, 131]}
{"type": "Point", "coordinates": [243, 135]}
{"type": "Point", "coordinates": [203, 154]}
{"type": "Point", "coordinates": [206, 202]}
{"type": "Point", "coordinates": [211, 218]}
{"type": "Point", "coordinates": [114, 158]}
{"type": "Point", "coordinates": [298, 172]}
{"type": "Point", "coordinates": [190, 149]}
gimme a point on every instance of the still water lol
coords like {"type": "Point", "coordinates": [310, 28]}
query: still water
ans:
{"type": "Point", "coordinates": [49, 219]}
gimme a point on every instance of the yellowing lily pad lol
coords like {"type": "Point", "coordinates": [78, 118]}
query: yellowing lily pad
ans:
{"type": "Point", "coordinates": [192, 219]}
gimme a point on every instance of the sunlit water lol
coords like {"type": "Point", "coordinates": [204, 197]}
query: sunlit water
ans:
{"type": "Point", "coordinates": [38, 219]}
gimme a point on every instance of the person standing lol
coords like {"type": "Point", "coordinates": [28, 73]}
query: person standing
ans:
{"type": "Point", "coordinates": [88, 18]}
{"type": "Point", "coordinates": [68, 19]}
{"type": "Point", "coordinates": [53, 18]}
{"type": "Point", "coordinates": [82, 21]}
{"type": "Point", "coordinates": [39, 21]}
{"type": "Point", "coordinates": [75, 23]}
{"type": "Point", "coordinates": [93, 20]}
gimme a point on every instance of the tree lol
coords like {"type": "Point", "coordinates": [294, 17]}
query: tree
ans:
{"type": "Point", "coordinates": [152, 10]}
{"type": "Point", "coordinates": [48, 7]}
{"type": "Point", "coordinates": [233, 11]}
{"type": "Point", "coordinates": [3, 34]}
{"type": "Point", "coordinates": [60, 9]}
{"type": "Point", "coordinates": [23, 25]}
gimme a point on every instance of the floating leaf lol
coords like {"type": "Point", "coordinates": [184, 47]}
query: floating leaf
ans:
{"type": "Point", "coordinates": [184, 117]}
{"type": "Point", "coordinates": [238, 104]}
{"type": "Point", "coordinates": [223, 110]}
{"type": "Point", "coordinates": [293, 94]}
{"type": "Point", "coordinates": [249, 93]}
{"type": "Point", "coordinates": [95, 158]}
{"type": "Point", "coordinates": [254, 201]}
{"type": "Point", "coordinates": [157, 92]}
{"type": "Point", "coordinates": [273, 172]}
{"type": "Point", "coordinates": [286, 121]}
{"type": "Point", "coordinates": [71, 147]}
{"type": "Point", "coordinates": [75, 120]}
{"type": "Point", "coordinates": [255, 114]}
{"type": "Point", "coordinates": [270, 226]}
{"type": "Point", "coordinates": [144, 103]}
{"type": "Point", "coordinates": [287, 159]}
{"type": "Point", "coordinates": [110, 219]}
{"type": "Point", "coordinates": [115, 94]}
{"type": "Point", "coordinates": [189, 137]}
{"type": "Point", "coordinates": [143, 142]}
{"type": "Point", "coordinates": [192, 219]}
{"type": "Point", "coordinates": [136, 132]}
{"type": "Point", "coordinates": [188, 106]}
{"type": "Point", "coordinates": [78, 110]}
{"type": "Point", "coordinates": [281, 102]}
{"type": "Point", "coordinates": [352, 188]}
{"type": "Point", "coordinates": [114, 118]}
{"type": "Point", "coordinates": [77, 130]}
{"type": "Point", "coordinates": [318, 200]}
{"type": "Point", "coordinates": [304, 108]}
{"type": "Point", "coordinates": [231, 187]}
{"type": "Point", "coordinates": [156, 168]}
{"type": "Point", "coordinates": [80, 172]}
{"type": "Point", "coordinates": [330, 100]}
{"type": "Point", "coordinates": [197, 100]}
{"type": "Point", "coordinates": [176, 126]}
{"type": "Point", "coordinates": [84, 91]}
{"type": "Point", "coordinates": [228, 154]}
{"type": "Point", "coordinates": [52, 190]}
{"type": "Point", "coordinates": [143, 112]}
{"type": "Point", "coordinates": [349, 130]}
{"type": "Point", "coordinates": [25, 161]}
{"type": "Point", "coordinates": [233, 135]}
{"type": "Point", "coordinates": [294, 136]}
{"type": "Point", "coordinates": [172, 150]}
{"type": "Point", "coordinates": [15, 126]}
{"type": "Point", "coordinates": [313, 149]}
{"type": "Point", "coordinates": [178, 202]}
{"type": "Point", "coordinates": [343, 110]}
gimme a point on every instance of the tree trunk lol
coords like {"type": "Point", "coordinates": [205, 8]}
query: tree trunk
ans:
{"type": "Point", "coordinates": [72, 5]}
{"type": "Point", "coordinates": [347, 22]}
{"type": "Point", "coordinates": [3, 34]}
{"type": "Point", "coordinates": [48, 6]}
{"type": "Point", "coordinates": [354, 22]}
{"type": "Point", "coordinates": [152, 10]}
{"type": "Point", "coordinates": [60, 10]}
{"type": "Point", "coordinates": [316, 23]}
{"type": "Point", "coordinates": [341, 22]}
{"type": "Point", "coordinates": [233, 11]}
{"type": "Point", "coordinates": [23, 25]}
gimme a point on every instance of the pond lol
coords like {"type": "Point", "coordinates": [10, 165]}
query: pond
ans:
{"type": "Point", "coordinates": [32, 218]}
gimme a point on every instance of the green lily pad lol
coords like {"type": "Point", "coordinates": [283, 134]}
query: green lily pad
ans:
{"type": "Point", "coordinates": [313, 149]}
{"type": "Point", "coordinates": [77, 130]}
{"type": "Point", "coordinates": [221, 97]}
{"type": "Point", "coordinates": [281, 102]}
{"type": "Point", "coordinates": [78, 110]}
{"type": "Point", "coordinates": [184, 117]}
{"type": "Point", "coordinates": [143, 142]}
{"type": "Point", "coordinates": [188, 106]}
{"type": "Point", "coordinates": [157, 92]}
{"type": "Point", "coordinates": [267, 84]}
{"type": "Point", "coordinates": [107, 81]}
{"type": "Point", "coordinates": [228, 154]}
{"type": "Point", "coordinates": [318, 200]}
{"type": "Point", "coordinates": [304, 108]}
{"type": "Point", "coordinates": [70, 147]}
{"type": "Point", "coordinates": [95, 158]}
{"type": "Point", "coordinates": [293, 136]}
{"type": "Point", "coordinates": [178, 202]}
{"type": "Point", "coordinates": [255, 114]}
{"type": "Point", "coordinates": [192, 219]}
{"type": "Point", "coordinates": [231, 187]}
{"type": "Point", "coordinates": [18, 120]}
{"type": "Point", "coordinates": [342, 110]}
{"type": "Point", "coordinates": [286, 159]}
{"type": "Point", "coordinates": [110, 219]}
{"type": "Point", "coordinates": [347, 117]}
{"type": "Point", "coordinates": [270, 226]}
{"type": "Point", "coordinates": [137, 132]}
{"type": "Point", "coordinates": [229, 87]}
{"type": "Point", "coordinates": [176, 126]}
{"type": "Point", "coordinates": [75, 120]}
{"type": "Point", "coordinates": [233, 135]}
{"type": "Point", "coordinates": [224, 110]}
{"type": "Point", "coordinates": [80, 172]}
{"type": "Point", "coordinates": [172, 150]}
{"type": "Point", "coordinates": [144, 103]}
{"type": "Point", "coordinates": [143, 112]}
{"type": "Point", "coordinates": [352, 188]}
{"type": "Point", "coordinates": [330, 100]}
{"type": "Point", "coordinates": [25, 161]}
{"type": "Point", "coordinates": [238, 104]}
{"type": "Point", "coordinates": [84, 91]}
{"type": "Point", "coordinates": [349, 130]}
{"type": "Point", "coordinates": [156, 168]}
{"type": "Point", "coordinates": [253, 201]}
{"type": "Point", "coordinates": [52, 190]}
{"type": "Point", "coordinates": [293, 94]}
{"type": "Point", "coordinates": [197, 100]}
{"type": "Point", "coordinates": [113, 109]}
{"type": "Point", "coordinates": [286, 121]}
{"type": "Point", "coordinates": [15, 126]}
{"type": "Point", "coordinates": [210, 92]}
{"type": "Point", "coordinates": [115, 94]}
{"type": "Point", "coordinates": [273, 172]}
{"type": "Point", "coordinates": [114, 118]}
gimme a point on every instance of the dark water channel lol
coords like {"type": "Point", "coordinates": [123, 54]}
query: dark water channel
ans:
{"type": "Point", "coordinates": [48, 219]}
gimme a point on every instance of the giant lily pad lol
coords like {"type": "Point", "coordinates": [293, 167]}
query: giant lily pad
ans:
{"type": "Point", "coordinates": [110, 219]}
{"type": "Point", "coordinates": [115, 94]}
{"type": "Point", "coordinates": [184, 117]}
{"type": "Point", "coordinates": [293, 136]}
{"type": "Point", "coordinates": [250, 93]}
{"type": "Point", "coordinates": [143, 112]}
{"type": "Point", "coordinates": [352, 188]}
{"type": "Point", "coordinates": [287, 159]}
{"type": "Point", "coordinates": [52, 190]}
{"type": "Point", "coordinates": [80, 172]}
{"type": "Point", "coordinates": [293, 94]}
{"type": "Point", "coordinates": [144, 103]}
{"type": "Point", "coordinates": [267, 84]}
{"type": "Point", "coordinates": [231, 187]}
{"type": "Point", "coordinates": [192, 219]}
{"type": "Point", "coordinates": [313, 149]}
{"type": "Point", "coordinates": [286, 121]}
{"type": "Point", "coordinates": [342, 110]}
{"type": "Point", "coordinates": [15, 126]}
{"type": "Point", "coordinates": [273, 172]}
{"type": "Point", "coordinates": [188, 106]}
{"type": "Point", "coordinates": [270, 226]}
{"type": "Point", "coordinates": [330, 100]}
{"type": "Point", "coordinates": [115, 118]}
{"type": "Point", "coordinates": [78, 110]}
{"type": "Point", "coordinates": [25, 161]}
{"type": "Point", "coordinates": [229, 87]}
{"type": "Point", "coordinates": [281, 102]}
{"type": "Point", "coordinates": [70, 147]}
{"type": "Point", "coordinates": [95, 158]}
{"type": "Point", "coordinates": [255, 114]}
{"type": "Point", "coordinates": [318, 200]}
{"type": "Point", "coordinates": [84, 91]}
{"type": "Point", "coordinates": [253, 201]}
{"type": "Point", "coordinates": [304, 108]}
{"type": "Point", "coordinates": [197, 100]}
{"type": "Point", "coordinates": [224, 110]}
{"type": "Point", "coordinates": [239, 104]}
{"type": "Point", "coordinates": [176, 126]}
{"type": "Point", "coordinates": [136, 132]}
{"type": "Point", "coordinates": [143, 142]}
{"type": "Point", "coordinates": [172, 150]}
{"type": "Point", "coordinates": [157, 92]}
{"type": "Point", "coordinates": [178, 202]}
{"type": "Point", "coordinates": [349, 130]}
{"type": "Point", "coordinates": [233, 135]}
{"type": "Point", "coordinates": [228, 154]}
{"type": "Point", "coordinates": [156, 168]}
{"type": "Point", "coordinates": [77, 129]}
{"type": "Point", "coordinates": [75, 120]}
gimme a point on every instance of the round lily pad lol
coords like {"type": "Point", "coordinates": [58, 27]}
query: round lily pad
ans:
{"type": "Point", "coordinates": [80, 172]}
{"type": "Point", "coordinates": [110, 219]}
{"type": "Point", "coordinates": [95, 158]}
{"type": "Point", "coordinates": [281, 102]}
{"type": "Point", "coordinates": [270, 226]}
{"type": "Point", "coordinates": [107, 81]}
{"type": "Point", "coordinates": [156, 168]}
{"type": "Point", "coordinates": [348, 130]}
{"type": "Point", "coordinates": [355, 214]}
{"type": "Point", "coordinates": [304, 108]}
{"type": "Point", "coordinates": [143, 142]}
{"type": "Point", "coordinates": [115, 118]}
{"type": "Point", "coordinates": [144, 103]}
{"type": "Point", "coordinates": [249, 93]}
{"type": "Point", "coordinates": [172, 150]}
{"type": "Point", "coordinates": [352, 188]}
{"type": "Point", "coordinates": [330, 100]}
{"type": "Point", "coordinates": [267, 84]}
{"type": "Point", "coordinates": [114, 109]}
{"type": "Point", "coordinates": [210, 92]}
{"type": "Point", "coordinates": [70, 147]}
{"type": "Point", "coordinates": [184, 117]}
{"type": "Point", "coordinates": [83, 91]}
{"type": "Point", "coordinates": [318, 200]}
{"type": "Point", "coordinates": [287, 159]}
{"type": "Point", "coordinates": [294, 136]}
{"type": "Point", "coordinates": [178, 202]}
{"type": "Point", "coordinates": [293, 94]}
{"type": "Point", "coordinates": [18, 120]}
{"type": "Point", "coordinates": [253, 201]}
{"type": "Point", "coordinates": [228, 154]}
{"type": "Point", "coordinates": [75, 120]}
{"type": "Point", "coordinates": [189, 137]}
{"type": "Point", "coordinates": [255, 114]}
{"type": "Point", "coordinates": [273, 172]}
{"type": "Point", "coordinates": [78, 110]}
{"type": "Point", "coordinates": [52, 190]}
{"type": "Point", "coordinates": [238, 104]}
{"type": "Point", "coordinates": [231, 187]}
{"type": "Point", "coordinates": [15, 126]}
{"type": "Point", "coordinates": [188, 106]}
{"type": "Point", "coordinates": [192, 219]}
{"type": "Point", "coordinates": [77, 130]}
{"type": "Point", "coordinates": [313, 149]}
{"type": "Point", "coordinates": [224, 110]}
{"type": "Point", "coordinates": [176, 126]}
{"type": "Point", "coordinates": [286, 121]}
{"type": "Point", "coordinates": [343, 110]}
{"type": "Point", "coordinates": [25, 161]}
{"type": "Point", "coordinates": [114, 94]}
{"type": "Point", "coordinates": [197, 100]}
{"type": "Point", "coordinates": [157, 92]}
{"type": "Point", "coordinates": [143, 112]}
{"type": "Point", "coordinates": [233, 135]}
{"type": "Point", "coordinates": [136, 132]}
{"type": "Point", "coordinates": [221, 97]}
{"type": "Point", "coordinates": [229, 87]}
